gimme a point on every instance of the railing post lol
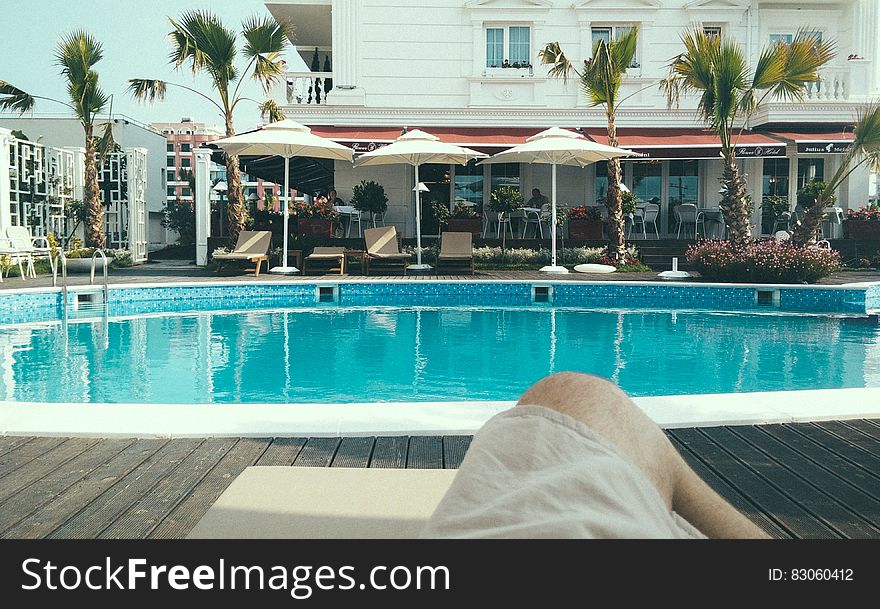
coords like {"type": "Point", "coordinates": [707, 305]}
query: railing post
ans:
{"type": "Point", "coordinates": [202, 203]}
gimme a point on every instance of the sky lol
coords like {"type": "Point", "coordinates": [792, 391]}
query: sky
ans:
{"type": "Point", "coordinates": [134, 35]}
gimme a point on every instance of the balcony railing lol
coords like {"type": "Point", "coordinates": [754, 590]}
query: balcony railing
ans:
{"type": "Point", "coordinates": [834, 86]}
{"type": "Point", "coordinates": [308, 87]}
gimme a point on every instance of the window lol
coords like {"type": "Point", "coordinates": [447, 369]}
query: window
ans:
{"type": "Point", "coordinates": [186, 192]}
{"type": "Point", "coordinates": [783, 38]}
{"type": "Point", "coordinates": [170, 162]}
{"type": "Point", "coordinates": [172, 191]}
{"type": "Point", "coordinates": [185, 162]}
{"type": "Point", "coordinates": [601, 182]}
{"type": "Point", "coordinates": [504, 174]}
{"type": "Point", "coordinates": [647, 181]}
{"type": "Point", "coordinates": [712, 31]}
{"type": "Point", "coordinates": [810, 170]}
{"type": "Point", "coordinates": [609, 33]}
{"type": "Point", "coordinates": [469, 184]}
{"type": "Point", "coordinates": [512, 44]}
{"type": "Point", "coordinates": [774, 191]}
{"type": "Point", "coordinates": [683, 183]}
{"type": "Point", "coordinates": [185, 147]}
{"type": "Point", "coordinates": [169, 147]}
{"type": "Point", "coordinates": [171, 176]}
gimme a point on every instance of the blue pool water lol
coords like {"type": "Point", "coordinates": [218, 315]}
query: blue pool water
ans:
{"type": "Point", "coordinates": [328, 355]}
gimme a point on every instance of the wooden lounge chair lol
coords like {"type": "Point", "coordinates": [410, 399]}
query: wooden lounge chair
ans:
{"type": "Point", "coordinates": [252, 246]}
{"type": "Point", "coordinates": [321, 256]}
{"type": "Point", "coordinates": [382, 246]}
{"type": "Point", "coordinates": [456, 251]}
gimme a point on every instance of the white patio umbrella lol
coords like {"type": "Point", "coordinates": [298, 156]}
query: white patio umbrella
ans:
{"type": "Point", "coordinates": [414, 148]}
{"type": "Point", "coordinates": [557, 146]}
{"type": "Point", "coordinates": [287, 139]}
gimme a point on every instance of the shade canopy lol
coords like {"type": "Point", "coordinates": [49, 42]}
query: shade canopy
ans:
{"type": "Point", "coordinates": [285, 138]}
{"type": "Point", "coordinates": [557, 146]}
{"type": "Point", "coordinates": [417, 148]}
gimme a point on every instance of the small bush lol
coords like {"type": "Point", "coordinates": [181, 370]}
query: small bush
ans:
{"type": "Point", "coordinates": [762, 262]}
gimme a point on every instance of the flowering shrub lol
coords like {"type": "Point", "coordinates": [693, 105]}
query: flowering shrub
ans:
{"type": "Point", "coordinates": [762, 262]}
{"type": "Point", "coordinates": [870, 213]}
{"type": "Point", "coordinates": [628, 260]}
{"type": "Point", "coordinates": [320, 207]}
{"type": "Point", "coordinates": [583, 212]}
{"type": "Point", "coordinates": [462, 211]}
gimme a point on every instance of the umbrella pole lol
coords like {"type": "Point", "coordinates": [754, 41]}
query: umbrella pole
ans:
{"type": "Point", "coordinates": [553, 268]}
{"type": "Point", "coordinates": [284, 268]}
{"type": "Point", "coordinates": [418, 266]}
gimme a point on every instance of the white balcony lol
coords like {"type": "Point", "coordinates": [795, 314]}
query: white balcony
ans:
{"type": "Point", "coordinates": [306, 88]}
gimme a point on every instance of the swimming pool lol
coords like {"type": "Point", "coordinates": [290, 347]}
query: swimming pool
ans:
{"type": "Point", "coordinates": [340, 354]}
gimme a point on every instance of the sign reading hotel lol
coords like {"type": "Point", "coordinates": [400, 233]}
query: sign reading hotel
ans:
{"type": "Point", "coordinates": [361, 147]}
{"type": "Point", "coordinates": [823, 147]}
{"type": "Point", "coordinates": [711, 152]}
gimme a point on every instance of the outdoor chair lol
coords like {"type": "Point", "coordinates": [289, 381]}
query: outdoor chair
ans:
{"type": "Point", "coordinates": [493, 220]}
{"type": "Point", "coordinates": [382, 246]}
{"type": "Point", "coordinates": [326, 259]}
{"type": "Point", "coordinates": [456, 252]}
{"type": "Point", "coordinates": [782, 222]}
{"type": "Point", "coordinates": [252, 246]}
{"type": "Point", "coordinates": [21, 247]}
{"type": "Point", "coordinates": [644, 216]}
{"type": "Point", "coordinates": [688, 214]}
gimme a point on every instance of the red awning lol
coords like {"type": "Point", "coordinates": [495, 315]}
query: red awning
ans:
{"type": "Point", "coordinates": [656, 143]}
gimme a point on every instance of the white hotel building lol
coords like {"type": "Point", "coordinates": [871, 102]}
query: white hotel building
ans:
{"type": "Point", "coordinates": [435, 65]}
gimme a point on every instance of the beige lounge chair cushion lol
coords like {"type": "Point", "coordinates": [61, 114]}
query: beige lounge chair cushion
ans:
{"type": "Point", "coordinates": [325, 503]}
{"type": "Point", "coordinates": [456, 246]}
{"type": "Point", "coordinates": [381, 241]}
{"type": "Point", "coordinates": [391, 256]}
{"type": "Point", "coordinates": [326, 253]}
{"type": "Point", "coordinates": [250, 244]}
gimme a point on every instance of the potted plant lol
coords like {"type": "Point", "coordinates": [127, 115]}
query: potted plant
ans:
{"type": "Point", "coordinates": [369, 197]}
{"type": "Point", "coordinates": [440, 212]}
{"type": "Point", "coordinates": [863, 223]}
{"type": "Point", "coordinates": [316, 218]}
{"type": "Point", "coordinates": [504, 200]}
{"type": "Point", "coordinates": [584, 223]}
{"type": "Point", "coordinates": [464, 219]}
{"type": "Point", "coordinates": [79, 259]}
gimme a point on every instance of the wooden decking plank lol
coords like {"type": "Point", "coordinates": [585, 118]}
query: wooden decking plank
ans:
{"type": "Point", "coordinates": [282, 451]}
{"type": "Point", "coordinates": [101, 512]}
{"type": "Point", "coordinates": [853, 436]}
{"type": "Point", "coordinates": [26, 452]}
{"type": "Point", "coordinates": [155, 505]}
{"type": "Point", "coordinates": [799, 491]}
{"type": "Point", "coordinates": [864, 459]}
{"type": "Point", "coordinates": [61, 478]}
{"type": "Point", "coordinates": [454, 449]}
{"type": "Point", "coordinates": [866, 427]}
{"type": "Point", "coordinates": [354, 452]}
{"type": "Point", "coordinates": [765, 496]}
{"type": "Point", "coordinates": [184, 517]}
{"type": "Point", "coordinates": [425, 452]}
{"type": "Point", "coordinates": [868, 482]}
{"type": "Point", "coordinates": [854, 512]}
{"type": "Point", "coordinates": [318, 452]}
{"type": "Point", "coordinates": [730, 493]}
{"type": "Point", "coordinates": [390, 452]}
{"type": "Point", "coordinates": [49, 517]}
{"type": "Point", "coordinates": [7, 443]}
{"type": "Point", "coordinates": [35, 469]}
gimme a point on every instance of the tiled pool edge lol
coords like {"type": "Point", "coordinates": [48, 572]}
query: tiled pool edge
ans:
{"type": "Point", "coordinates": [428, 418]}
{"type": "Point", "coordinates": [43, 304]}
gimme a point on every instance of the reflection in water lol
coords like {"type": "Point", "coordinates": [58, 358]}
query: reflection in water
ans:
{"type": "Point", "coordinates": [357, 355]}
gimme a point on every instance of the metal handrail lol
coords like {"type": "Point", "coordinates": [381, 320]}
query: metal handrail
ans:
{"type": "Point", "coordinates": [92, 277]}
{"type": "Point", "coordinates": [53, 262]}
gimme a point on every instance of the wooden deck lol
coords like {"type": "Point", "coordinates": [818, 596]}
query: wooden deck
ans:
{"type": "Point", "coordinates": [808, 480]}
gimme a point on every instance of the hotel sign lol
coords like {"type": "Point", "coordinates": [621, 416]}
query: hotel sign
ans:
{"type": "Point", "coordinates": [823, 147]}
{"type": "Point", "coordinates": [361, 147]}
{"type": "Point", "coordinates": [711, 152]}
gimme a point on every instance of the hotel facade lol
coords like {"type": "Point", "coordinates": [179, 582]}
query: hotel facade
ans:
{"type": "Point", "coordinates": [468, 71]}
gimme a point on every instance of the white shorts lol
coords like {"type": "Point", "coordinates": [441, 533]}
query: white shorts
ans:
{"type": "Point", "coordinates": [533, 472]}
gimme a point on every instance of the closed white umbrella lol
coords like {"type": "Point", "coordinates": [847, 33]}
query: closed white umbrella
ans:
{"type": "Point", "coordinates": [557, 146]}
{"type": "Point", "coordinates": [288, 139]}
{"type": "Point", "coordinates": [414, 148]}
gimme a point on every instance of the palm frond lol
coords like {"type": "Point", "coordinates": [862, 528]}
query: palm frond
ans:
{"type": "Point", "coordinates": [784, 69]}
{"type": "Point", "coordinates": [13, 98]}
{"type": "Point", "coordinates": [106, 143]}
{"type": "Point", "coordinates": [201, 38]}
{"type": "Point", "coordinates": [265, 40]}
{"type": "Point", "coordinates": [271, 110]}
{"type": "Point", "coordinates": [866, 134]}
{"type": "Point", "coordinates": [560, 66]}
{"type": "Point", "coordinates": [77, 53]}
{"type": "Point", "coordinates": [147, 90]}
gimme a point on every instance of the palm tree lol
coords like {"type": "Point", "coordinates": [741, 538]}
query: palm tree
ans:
{"type": "Point", "coordinates": [76, 54]}
{"type": "Point", "coordinates": [865, 149]}
{"type": "Point", "coordinates": [730, 92]}
{"type": "Point", "coordinates": [600, 79]}
{"type": "Point", "coordinates": [200, 39]}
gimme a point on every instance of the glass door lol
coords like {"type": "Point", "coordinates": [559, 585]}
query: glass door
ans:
{"type": "Point", "coordinates": [774, 193]}
{"type": "Point", "coordinates": [647, 182]}
{"type": "Point", "coordinates": [437, 179]}
{"type": "Point", "coordinates": [683, 183]}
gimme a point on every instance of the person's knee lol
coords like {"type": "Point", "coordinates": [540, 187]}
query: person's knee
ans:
{"type": "Point", "coordinates": [576, 394]}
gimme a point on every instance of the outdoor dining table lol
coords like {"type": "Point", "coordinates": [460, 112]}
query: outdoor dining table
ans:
{"type": "Point", "coordinates": [716, 217]}
{"type": "Point", "coordinates": [348, 212]}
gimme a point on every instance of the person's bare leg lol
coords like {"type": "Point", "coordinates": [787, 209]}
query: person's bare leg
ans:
{"type": "Point", "coordinates": [607, 410]}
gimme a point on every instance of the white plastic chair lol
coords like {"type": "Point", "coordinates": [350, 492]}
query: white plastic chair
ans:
{"type": "Point", "coordinates": [532, 218]}
{"type": "Point", "coordinates": [646, 215]}
{"type": "Point", "coordinates": [21, 246]}
{"type": "Point", "coordinates": [832, 222]}
{"type": "Point", "coordinates": [782, 222]}
{"type": "Point", "coordinates": [689, 213]}
{"type": "Point", "coordinates": [493, 220]}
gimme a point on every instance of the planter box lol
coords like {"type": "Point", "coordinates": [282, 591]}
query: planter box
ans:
{"type": "Point", "coordinates": [466, 225]}
{"type": "Point", "coordinates": [863, 231]}
{"type": "Point", "coordinates": [314, 227]}
{"type": "Point", "coordinates": [84, 265]}
{"type": "Point", "coordinates": [585, 230]}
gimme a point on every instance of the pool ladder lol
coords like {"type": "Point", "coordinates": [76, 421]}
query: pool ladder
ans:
{"type": "Point", "coordinates": [59, 260]}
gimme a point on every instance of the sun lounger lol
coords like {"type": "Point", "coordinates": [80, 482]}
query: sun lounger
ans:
{"type": "Point", "coordinates": [325, 503]}
{"type": "Point", "coordinates": [321, 256]}
{"type": "Point", "coordinates": [456, 251]}
{"type": "Point", "coordinates": [382, 246]}
{"type": "Point", "coordinates": [252, 246]}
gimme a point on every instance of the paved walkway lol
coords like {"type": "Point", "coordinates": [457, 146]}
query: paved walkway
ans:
{"type": "Point", "coordinates": [804, 480]}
